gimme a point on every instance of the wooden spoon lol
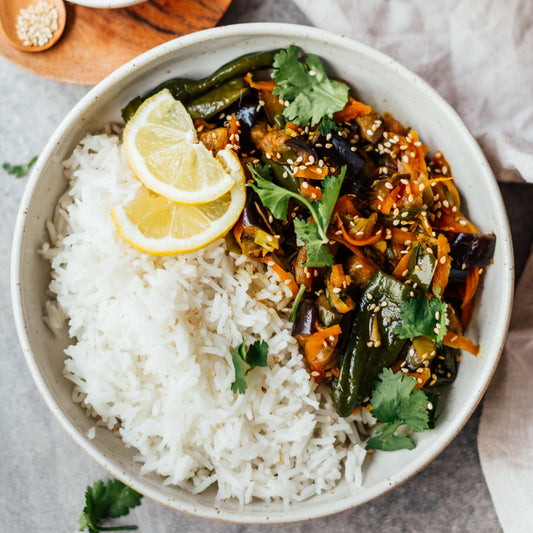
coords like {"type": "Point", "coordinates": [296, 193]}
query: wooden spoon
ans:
{"type": "Point", "coordinates": [9, 11]}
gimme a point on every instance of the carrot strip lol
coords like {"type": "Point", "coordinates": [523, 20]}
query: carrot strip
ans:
{"type": "Point", "coordinates": [453, 340]}
{"type": "Point", "coordinates": [286, 277]}
{"type": "Point", "coordinates": [352, 109]}
{"type": "Point", "coordinates": [430, 182]}
{"type": "Point", "coordinates": [471, 283]}
{"type": "Point", "coordinates": [421, 377]}
{"type": "Point", "coordinates": [402, 265]}
{"type": "Point", "coordinates": [444, 262]}
{"type": "Point", "coordinates": [319, 348]}
{"type": "Point", "coordinates": [259, 85]}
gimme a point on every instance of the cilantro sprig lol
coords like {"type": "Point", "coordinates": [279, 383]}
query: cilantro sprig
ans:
{"type": "Point", "coordinates": [111, 500]}
{"type": "Point", "coordinates": [256, 355]}
{"type": "Point", "coordinates": [312, 234]}
{"type": "Point", "coordinates": [313, 98]}
{"type": "Point", "coordinates": [421, 316]}
{"type": "Point", "coordinates": [19, 171]}
{"type": "Point", "coordinates": [395, 403]}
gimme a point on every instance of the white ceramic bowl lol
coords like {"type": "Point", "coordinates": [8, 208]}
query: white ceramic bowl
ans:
{"type": "Point", "coordinates": [388, 87]}
{"type": "Point", "coordinates": [106, 4]}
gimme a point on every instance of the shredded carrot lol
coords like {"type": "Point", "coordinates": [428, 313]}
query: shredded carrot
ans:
{"type": "Point", "coordinates": [421, 377]}
{"type": "Point", "coordinates": [388, 202]}
{"type": "Point", "coordinates": [357, 242]}
{"type": "Point", "coordinates": [356, 410]}
{"type": "Point", "coordinates": [310, 172]}
{"type": "Point", "coordinates": [430, 182]}
{"type": "Point", "coordinates": [259, 85]}
{"type": "Point", "coordinates": [454, 222]}
{"type": "Point", "coordinates": [337, 276]}
{"type": "Point", "coordinates": [402, 265]}
{"type": "Point", "coordinates": [286, 277]}
{"type": "Point", "coordinates": [311, 192]}
{"type": "Point", "coordinates": [453, 340]}
{"type": "Point", "coordinates": [471, 283]}
{"type": "Point", "coordinates": [401, 237]}
{"type": "Point", "coordinates": [444, 261]}
{"type": "Point", "coordinates": [352, 109]}
{"type": "Point", "coordinates": [315, 353]}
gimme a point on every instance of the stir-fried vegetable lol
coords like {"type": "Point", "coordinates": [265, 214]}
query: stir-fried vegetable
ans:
{"type": "Point", "coordinates": [358, 221]}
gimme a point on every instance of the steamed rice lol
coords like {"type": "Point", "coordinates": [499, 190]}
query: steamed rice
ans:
{"type": "Point", "coordinates": [152, 352]}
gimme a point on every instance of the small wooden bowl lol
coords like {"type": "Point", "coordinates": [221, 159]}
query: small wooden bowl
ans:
{"type": "Point", "coordinates": [9, 11]}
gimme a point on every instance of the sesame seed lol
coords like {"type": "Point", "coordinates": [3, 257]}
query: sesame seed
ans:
{"type": "Point", "coordinates": [328, 145]}
{"type": "Point", "coordinates": [336, 290]}
{"type": "Point", "coordinates": [369, 296]}
{"type": "Point", "coordinates": [388, 185]}
{"type": "Point", "coordinates": [442, 260]}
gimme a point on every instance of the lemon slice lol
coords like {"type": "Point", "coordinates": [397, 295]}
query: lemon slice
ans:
{"type": "Point", "coordinates": [163, 150]}
{"type": "Point", "coordinates": [156, 225]}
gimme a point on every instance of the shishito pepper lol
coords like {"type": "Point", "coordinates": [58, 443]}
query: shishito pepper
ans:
{"type": "Point", "coordinates": [372, 344]}
{"type": "Point", "coordinates": [217, 99]}
{"type": "Point", "coordinates": [185, 90]}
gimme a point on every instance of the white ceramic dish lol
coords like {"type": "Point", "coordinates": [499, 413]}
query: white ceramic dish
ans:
{"type": "Point", "coordinates": [106, 4]}
{"type": "Point", "coordinates": [380, 81]}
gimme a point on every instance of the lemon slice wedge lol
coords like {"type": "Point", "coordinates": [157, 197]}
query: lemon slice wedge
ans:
{"type": "Point", "coordinates": [156, 225]}
{"type": "Point", "coordinates": [163, 150]}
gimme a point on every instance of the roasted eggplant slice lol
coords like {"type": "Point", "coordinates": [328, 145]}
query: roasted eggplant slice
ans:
{"type": "Point", "coordinates": [472, 250]}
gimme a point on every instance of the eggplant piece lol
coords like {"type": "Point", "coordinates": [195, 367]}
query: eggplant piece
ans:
{"type": "Point", "coordinates": [306, 319]}
{"type": "Point", "coordinates": [301, 148]}
{"type": "Point", "coordinates": [246, 113]}
{"type": "Point", "coordinates": [472, 250]}
{"type": "Point", "coordinates": [253, 214]}
{"type": "Point", "coordinates": [339, 153]}
{"type": "Point", "coordinates": [458, 275]}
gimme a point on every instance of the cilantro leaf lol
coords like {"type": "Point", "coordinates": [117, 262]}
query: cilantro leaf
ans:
{"type": "Point", "coordinates": [274, 198]}
{"type": "Point", "coordinates": [307, 235]}
{"type": "Point", "coordinates": [19, 171]}
{"type": "Point", "coordinates": [421, 316]}
{"type": "Point", "coordinates": [238, 356]}
{"type": "Point", "coordinates": [312, 96]}
{"type": "Point", "coordinates": [330, 192]}
{"type": "Point", "coordinates": [111, 500]}
{"type": "Point", "coordinates": [255, 356]}
{"type": "Point", "coordinates": [395, 403]}
{"type": "Point", "coordinates": [312, 235]}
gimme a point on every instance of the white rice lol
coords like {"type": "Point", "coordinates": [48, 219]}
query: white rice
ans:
{"type": "Point", "coordinates": [152, 352]}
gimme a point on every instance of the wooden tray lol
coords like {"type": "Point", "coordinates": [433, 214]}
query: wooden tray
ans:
{"type": "Point", "coordinates": [97, 41]}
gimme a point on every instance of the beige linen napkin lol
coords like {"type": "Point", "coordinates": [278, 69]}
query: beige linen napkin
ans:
{"type": "Point", "coordinates": [479, 57]}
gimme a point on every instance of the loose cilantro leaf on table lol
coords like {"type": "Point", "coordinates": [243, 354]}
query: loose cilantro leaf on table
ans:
{"type": "Point", "coordinates": [256, 355]}
{"type": "Point", "coordinates": [421, 316]}
{"type": "Point", "coordinates": [111, 500]}
{"type": "Point", "coordinates": [395, 403]}
{"type": "Point", "coordinates": [312, 234]}
{"type": "Point", "coordinates": [312, 96]}
{"type": "Point", "coordinates": [19, 171]}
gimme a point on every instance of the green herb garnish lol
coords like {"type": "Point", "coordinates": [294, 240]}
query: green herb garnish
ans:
{"type": "Point", "coordinates": [395, 403]}
{"type": "Point", "coordinates": [312, 96]}
{"type": "Point", "coordinates": [256, 355]}
{"type": "Point", "coordinates": [19, 171]}
{"type": "Point", "coordinates": [296, 303]}
{"type": "Point", "coordinates": [421, 316]}
{"type": "Point", "coordinates": [111, 500]}
{"type": "Point", "coordinates": [312, 234]}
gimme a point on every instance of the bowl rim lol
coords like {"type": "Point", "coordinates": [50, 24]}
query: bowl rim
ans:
{"type": "Point", "coordinates": [289, 31]}
{"type": "Point", "coordinates": [106, 4]}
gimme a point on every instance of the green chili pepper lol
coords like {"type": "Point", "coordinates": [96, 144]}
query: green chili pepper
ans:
{"type": "Point", "coordinates": [283, 175]}
{"type": "Point", "coordinates": [422, 267]}
{"type": "Point", "coordinates": [185, 90]}
{"type": "Point", "coordinates": [216, 100]}
{"type": "Point", "coordinates": [372, 344]}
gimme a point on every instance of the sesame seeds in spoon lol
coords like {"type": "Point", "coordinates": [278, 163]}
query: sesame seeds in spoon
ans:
{"type": "Point", "coordinates": [32, 25]}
